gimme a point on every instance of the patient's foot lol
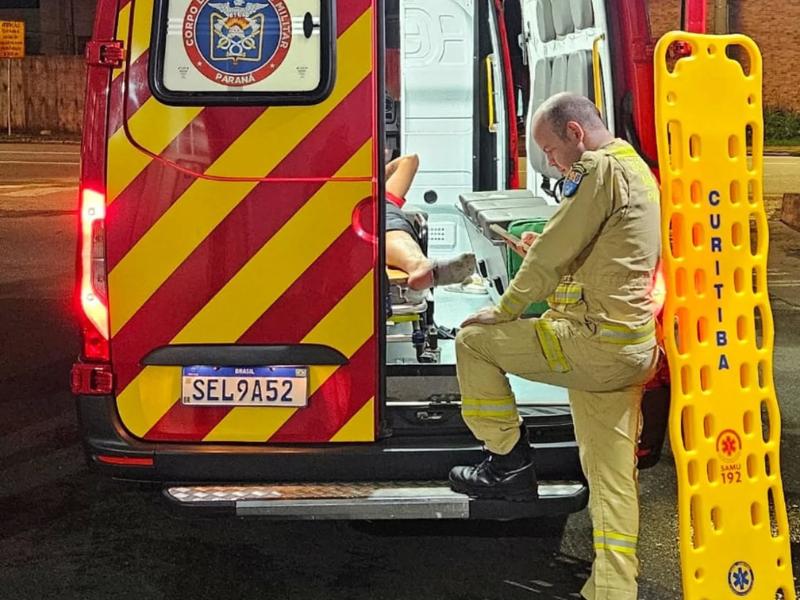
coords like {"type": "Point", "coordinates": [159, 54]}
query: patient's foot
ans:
{"type": "Point", "coordinates": [442, 272]}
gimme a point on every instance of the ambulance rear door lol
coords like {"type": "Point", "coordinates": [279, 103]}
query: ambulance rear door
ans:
{"type": "Point", "coordinates": [242, 240]}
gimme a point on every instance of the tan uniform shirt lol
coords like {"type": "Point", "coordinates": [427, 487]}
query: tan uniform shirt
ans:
{"type": "Point", "coordinates": [595, 261]}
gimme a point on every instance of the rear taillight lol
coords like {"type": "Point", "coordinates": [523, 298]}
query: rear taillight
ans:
{"type": "Point", "coordinates": [93, 287]}
{"type": "Point", "coordinates": [125, 461]}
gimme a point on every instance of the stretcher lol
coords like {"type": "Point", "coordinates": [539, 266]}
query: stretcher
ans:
{"type": "Point", "coordinates": [410, 314]}
{"type": "Point", "coordinates": [487, 213]}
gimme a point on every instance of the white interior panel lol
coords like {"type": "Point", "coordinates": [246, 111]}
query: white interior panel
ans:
{"type": "Point", "coordinates": [582, 13]}
{"type": "Point", "coordinates": [544, 21]}
{"type": "Point", "coordinates": [562, 17]}
{"type": "Point", "coordinates": [576, 25]}
{"type": "Point", "coordinates": [436, 65]}
{"type": "Point", "coordinates": [579, 72]}
{"type": "Point", "coordinates": [500, 103]}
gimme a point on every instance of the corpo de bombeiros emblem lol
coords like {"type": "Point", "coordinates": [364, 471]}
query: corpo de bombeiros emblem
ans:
{"type": "Point", "coordinates": [235, 42]}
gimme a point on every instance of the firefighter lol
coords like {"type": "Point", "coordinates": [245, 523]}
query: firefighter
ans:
{"type": "Point", "coordinates": [595, 263]}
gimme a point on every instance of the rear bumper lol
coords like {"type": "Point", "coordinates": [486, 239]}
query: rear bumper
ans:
{"type": "Point", "coordinates": [373, 501]}
{"type": "Point", "coordinates": [428, 457]}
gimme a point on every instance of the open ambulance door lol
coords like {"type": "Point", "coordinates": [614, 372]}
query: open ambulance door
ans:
{"type": "Point", "coordinates": [219, 226]}
{"type": "Point", "coordinates": [456, 109]}
{"type": "Point", "coordinates": [567, 47]}
{"type": "Point", "coordinates": [501, 118]}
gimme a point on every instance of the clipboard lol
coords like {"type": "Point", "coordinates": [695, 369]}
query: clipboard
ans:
{"type": "Point", "coordinates": [513, 241]}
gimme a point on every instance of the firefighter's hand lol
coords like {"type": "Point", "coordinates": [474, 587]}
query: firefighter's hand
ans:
{"type": "Point", "coordinates": [485, 316]}
{"type": "Point", "coordinates": [528, 237]}
{"type": "Point", "coordinates": [526, 241]}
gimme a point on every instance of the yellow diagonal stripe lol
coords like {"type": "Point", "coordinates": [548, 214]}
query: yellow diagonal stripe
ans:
{"type": "Point", "coordinates": [361, 427]}
{"type": "Point", "coordinates": [345, 328]}
{"type": "Point", "coordinates": [142, 26]}
{"type": "Point", "coordinates": [206, 203]}
{"type": "Point", "coordinates": [123, 23]}
{"type": "Point", "coordinates": [148, 397]}
{"type": "Point", "coordinates": [350, 323]}
{"type": "Point", "coordinates": [248, 295]}
{"type": "Point", "coordinates": [153, 126]}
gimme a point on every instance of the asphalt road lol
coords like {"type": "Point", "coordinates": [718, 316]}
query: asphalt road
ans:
{"type": "Point", "coordinates": [781, 174]}
{"type": "Point", "coordinates": [65, 534]}
{"type": "Point", "coordinates": [38, 163]}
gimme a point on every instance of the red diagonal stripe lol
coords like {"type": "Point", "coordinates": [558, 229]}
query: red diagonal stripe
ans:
{"type": "Point", "coordinates": [348, 11]}
{"type": "Point", "coordinates": [242, 233]}
{"type": "Point", "coordinates": [139, 91]}
{"type": "Point", "coordinates": [335, 403]}
{"type": "Point", "coordinates": [281, 324]}
{"type": "Point", "coordinates": [157, 187]}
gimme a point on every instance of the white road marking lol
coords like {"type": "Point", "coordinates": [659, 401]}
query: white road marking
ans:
{"type": "Point", "coordinates": [522, 586]}
{"type": "Point", "coordinates": [36, 192]}
{"type": "Point", "coordinates": [35, 153]}
{"type": "Point", "coordinates": [35, 162]}
{"type": "Point", "coordinates": [16, 186]}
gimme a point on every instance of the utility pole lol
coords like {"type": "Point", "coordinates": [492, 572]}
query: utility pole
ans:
{"type": "Point", "coordinates": [721, 18]}
{"type": "Point", "coordinates": [73, 41]}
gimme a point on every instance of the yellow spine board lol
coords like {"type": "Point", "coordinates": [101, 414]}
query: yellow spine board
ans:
{"type": "Point", "coordinates": [718, 328]}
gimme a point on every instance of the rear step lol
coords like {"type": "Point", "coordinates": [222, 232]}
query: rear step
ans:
{"type": "Point", "coordinates": [373, 500]}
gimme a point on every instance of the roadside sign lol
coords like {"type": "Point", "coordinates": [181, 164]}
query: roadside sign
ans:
{"type": "Point", "coordinates": [12, 39]}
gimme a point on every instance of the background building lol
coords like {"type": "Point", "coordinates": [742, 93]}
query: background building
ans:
{"type": "Point", "coordinates": [62, 27]}
{"type": "Point", "coordinates": [771, 23]}
{"type": "Point", "coordinates": [52, 26]}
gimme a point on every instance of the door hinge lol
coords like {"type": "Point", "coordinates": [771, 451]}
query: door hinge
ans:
{"type": "Point", "coordinates": [108, 53]}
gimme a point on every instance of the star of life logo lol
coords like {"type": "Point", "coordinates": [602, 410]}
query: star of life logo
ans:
{"type": "Point", "coordinates": [237, 43]}
{"type": "Point", "coordinates": [741, 578]}
{"type": "Point", "coordinates": [729, 446]}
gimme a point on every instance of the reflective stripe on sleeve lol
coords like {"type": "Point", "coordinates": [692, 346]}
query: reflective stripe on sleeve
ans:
{"type": "Point", "coordinates": [566, 293]}
{"type": "Point", "coordinates": [623, 151]}
{"type": "Point", "coordinates": [511, 304]}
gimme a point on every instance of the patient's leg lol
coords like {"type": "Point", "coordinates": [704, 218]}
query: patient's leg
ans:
{"type": "Point", "coordinates": [403, 252]}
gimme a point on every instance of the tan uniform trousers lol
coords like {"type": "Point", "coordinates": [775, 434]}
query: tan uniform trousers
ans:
{"type": "Point", "coordinates": [605, 383]}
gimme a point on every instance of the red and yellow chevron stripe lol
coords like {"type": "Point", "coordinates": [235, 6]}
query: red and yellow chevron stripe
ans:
{"type": "Point", "coordinates": [234, 225]}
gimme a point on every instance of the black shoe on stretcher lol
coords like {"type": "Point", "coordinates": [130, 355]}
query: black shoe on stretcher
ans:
{"type": "Point", "coordinates": [501, 477]}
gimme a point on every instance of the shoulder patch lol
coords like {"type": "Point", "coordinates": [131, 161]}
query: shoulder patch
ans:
{"type": "Point", "coordinates": [572, 180]}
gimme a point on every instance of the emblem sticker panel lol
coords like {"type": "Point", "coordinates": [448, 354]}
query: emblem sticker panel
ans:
{"type": "Point", "coordinates": [235, 42]}
{"type": "Point", "coordinates": [243, 46]}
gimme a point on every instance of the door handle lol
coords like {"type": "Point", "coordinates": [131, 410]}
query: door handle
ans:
{"type": "Point", "coordinates": [490, 92]}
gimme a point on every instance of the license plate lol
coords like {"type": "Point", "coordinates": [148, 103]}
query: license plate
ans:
{"type": "Point", "coordinates": [245, 386]}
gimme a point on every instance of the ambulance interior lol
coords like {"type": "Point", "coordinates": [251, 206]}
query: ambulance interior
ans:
{"type": "Point", "coordinates": [446, 100]}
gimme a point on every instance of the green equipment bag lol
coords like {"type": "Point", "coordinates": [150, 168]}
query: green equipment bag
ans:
{"type": "Point", "coordinates": [514, 260]}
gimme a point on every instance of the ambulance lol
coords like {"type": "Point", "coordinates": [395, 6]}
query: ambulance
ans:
{"type": "Point", "coordinates": [243, 342]}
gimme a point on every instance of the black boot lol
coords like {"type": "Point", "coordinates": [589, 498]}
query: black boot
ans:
{"type": "Point", "coordinates": [506, 477]}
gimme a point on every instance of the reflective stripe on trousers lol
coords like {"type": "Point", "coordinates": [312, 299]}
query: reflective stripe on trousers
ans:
{"type": "Point", "coordinates": [616, 542]}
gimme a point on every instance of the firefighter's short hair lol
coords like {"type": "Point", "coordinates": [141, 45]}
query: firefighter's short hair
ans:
{"type": "Point", "coordinates": [560, 109]}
